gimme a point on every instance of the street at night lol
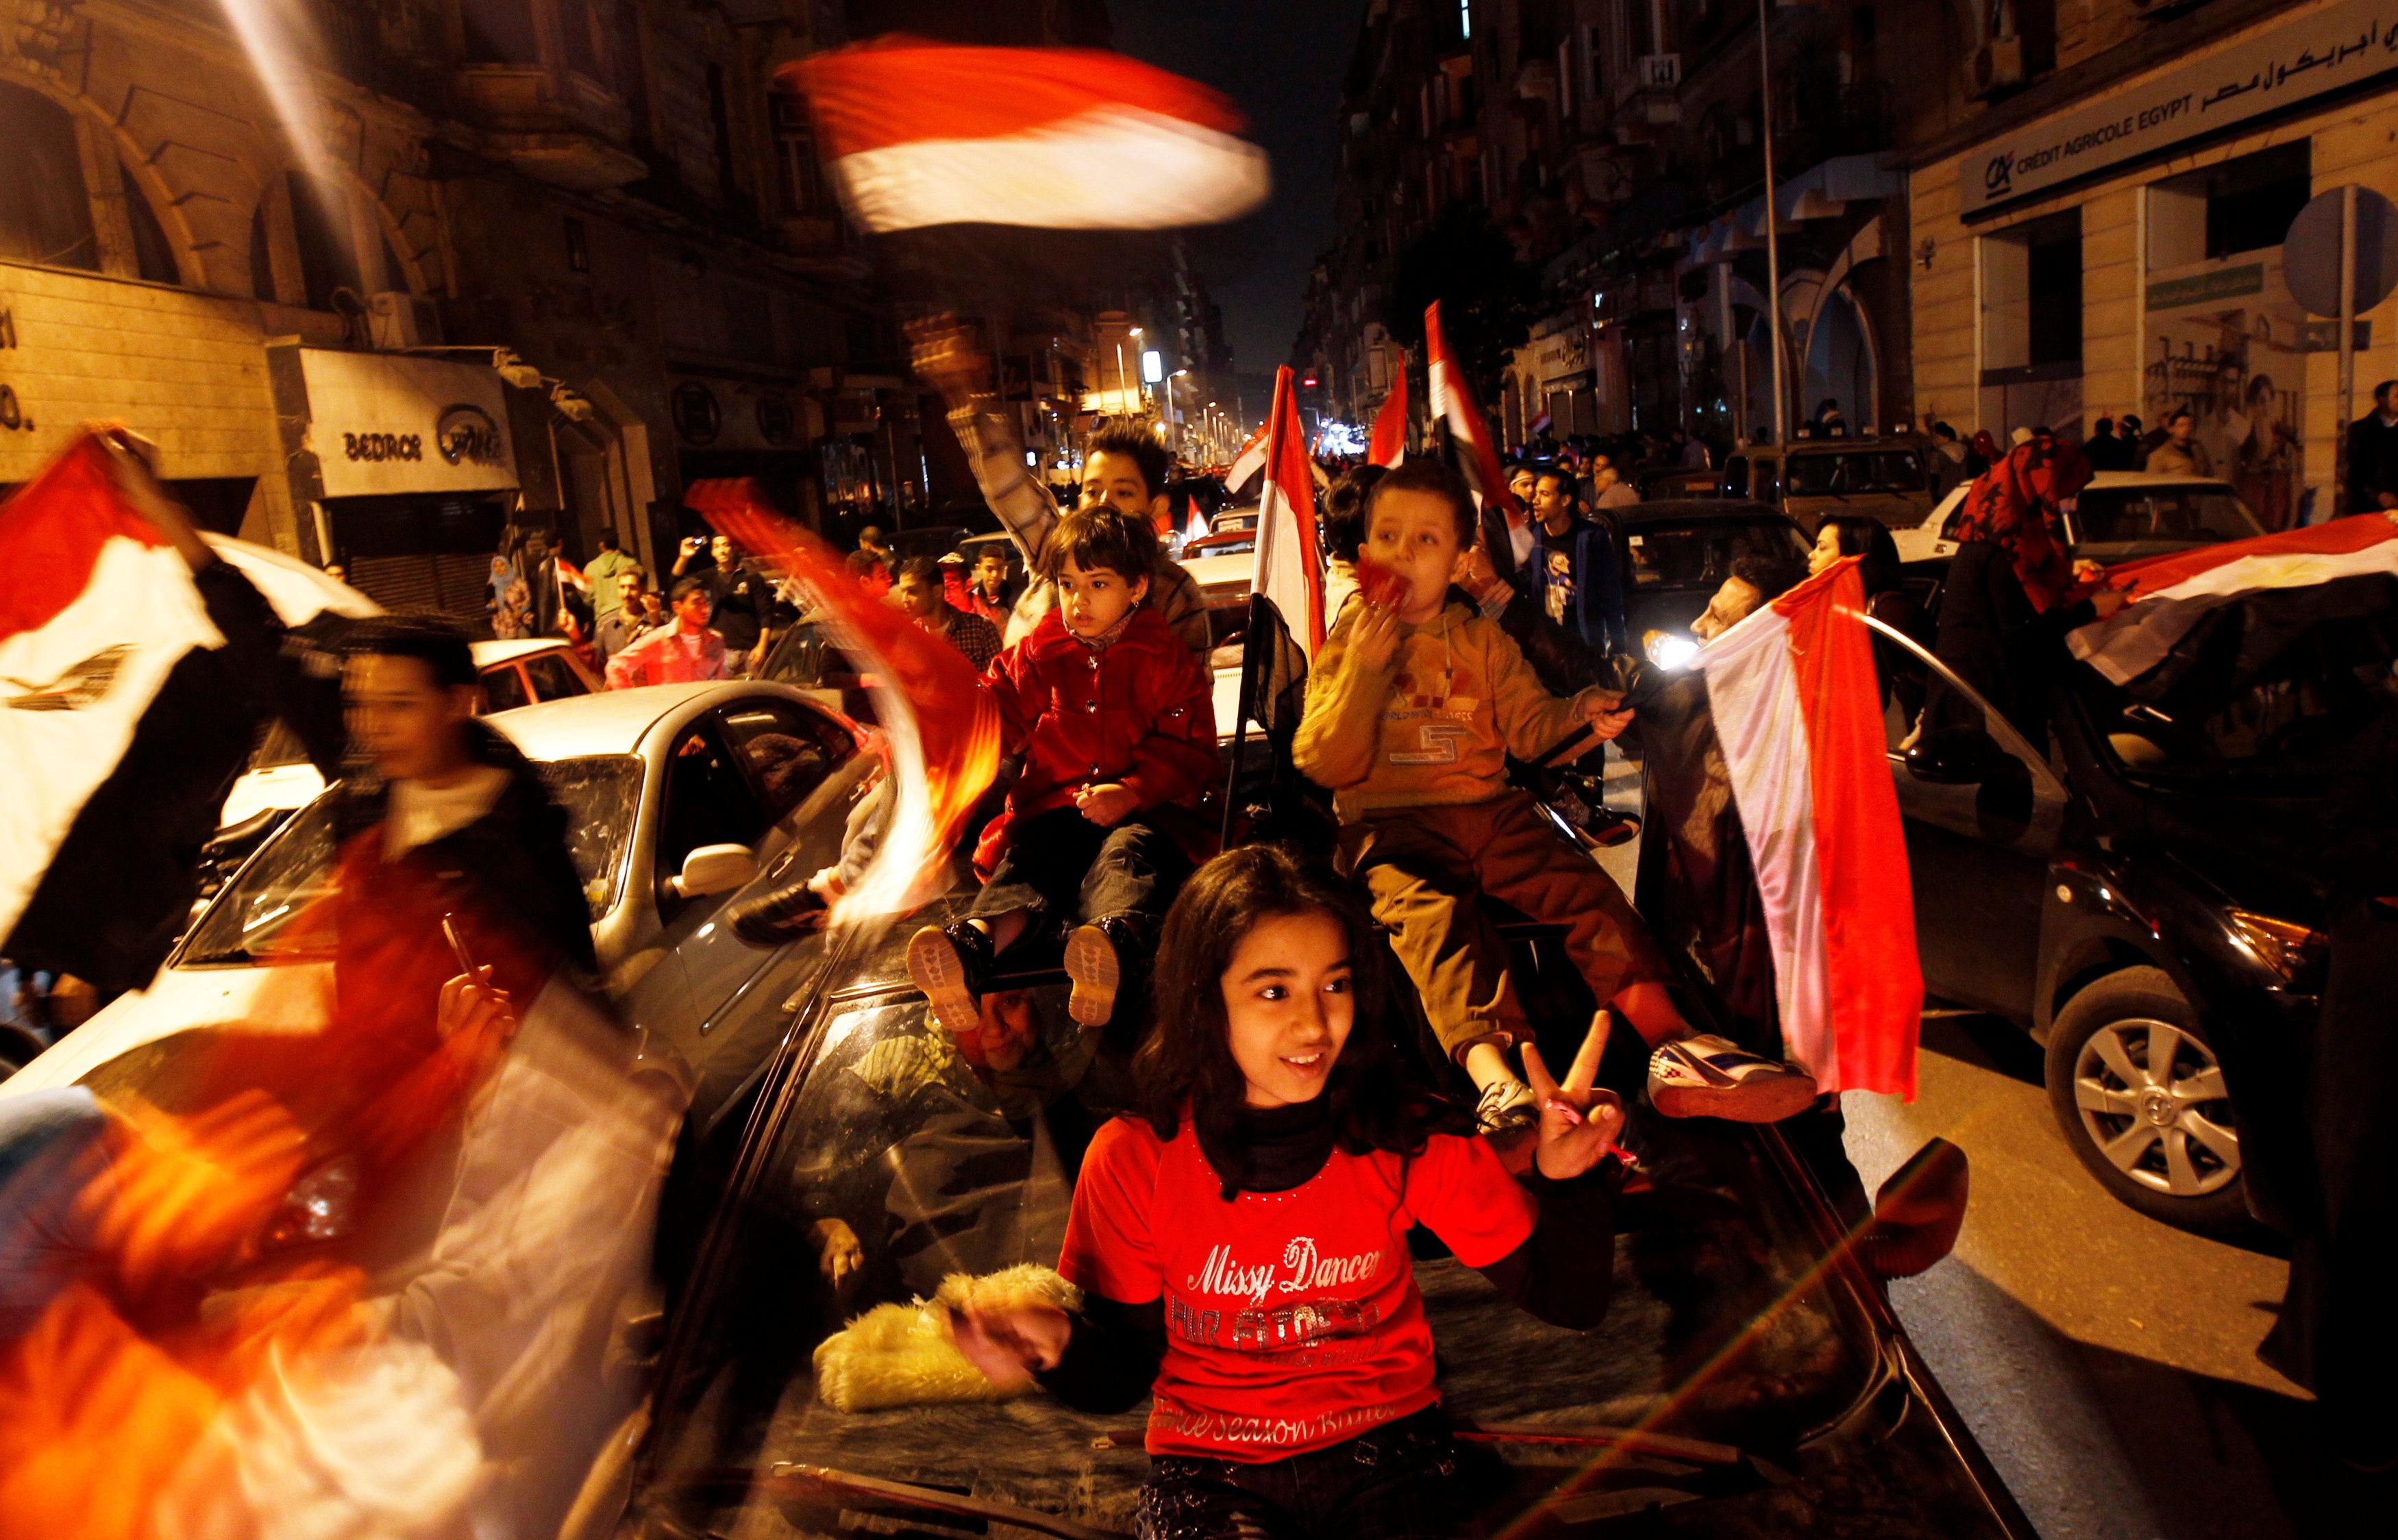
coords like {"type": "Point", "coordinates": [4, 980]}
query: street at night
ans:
{"type": "Point", "coordinates": [1269, 769]}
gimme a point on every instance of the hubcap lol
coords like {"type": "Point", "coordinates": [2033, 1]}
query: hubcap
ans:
{"type": "Point", "coordinates": [2152, 1100]}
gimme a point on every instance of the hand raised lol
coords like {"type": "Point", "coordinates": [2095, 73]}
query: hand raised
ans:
{"type": "Point", "coordinates": [1579, 1121]}
{"type": "Point", "coordinates": [1009, 1344]}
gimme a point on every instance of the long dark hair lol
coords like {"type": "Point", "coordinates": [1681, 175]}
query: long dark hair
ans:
{"type": "Point", "coordinates": [1187, 1062]}
{"type": "Point", "coordinates": [1861, 536]}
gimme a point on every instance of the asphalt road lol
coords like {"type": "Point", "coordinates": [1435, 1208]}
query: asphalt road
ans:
{"type": "Point", "coordinates": [2107, 1362]}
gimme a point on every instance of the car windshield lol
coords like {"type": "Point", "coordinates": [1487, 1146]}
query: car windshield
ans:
{"type": "Point", "coordinates": [900, 1163]}
{"type": "Point", "coordinates": [600, 795]}
{"type": "Point", "coordinates": [2178, 515]}
{"type": "Point", "coordinates": [1700, 553]}
{"type": "Point", "coordinates": [1859, 470]}
{"type": "Point", "coordinates": [2278, 690]}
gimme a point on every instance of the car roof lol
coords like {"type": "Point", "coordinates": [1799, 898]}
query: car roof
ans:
{"type": "Point", "coordinates": [1206, 571]}
{"type": "Point", "coordinates": [490, 654]}
{"type": "Point", "coordinates": [2104, 479]}
{"type": "Point", "coordinates": [610, 721]}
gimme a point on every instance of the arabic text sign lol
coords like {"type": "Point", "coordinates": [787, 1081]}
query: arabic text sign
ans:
{"type": "Point", "coordinates": [2323, 51]}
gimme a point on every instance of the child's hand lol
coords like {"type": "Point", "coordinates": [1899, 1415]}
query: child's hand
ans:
{"type": "Point", "coordinates": [1579, 1121]}
{"type": "Point", "coordinates": [1107, 804]}
{"type": "Point", "coordinates": [1013, 1342]}
{"type": "Point", "coordinates": [1374, 640]}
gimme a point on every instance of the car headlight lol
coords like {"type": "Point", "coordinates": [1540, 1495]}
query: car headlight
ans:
{"type": "Point", "coordinates": [2282, 947]}
{"type": "Point", "coordinates": [1669, 650]}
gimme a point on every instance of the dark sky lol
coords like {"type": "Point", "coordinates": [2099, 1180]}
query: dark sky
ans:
{"type": "Point", "coordinates": [1281, 60]}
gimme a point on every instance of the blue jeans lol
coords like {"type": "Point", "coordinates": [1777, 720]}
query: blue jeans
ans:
{"type": "Point", "coordinates": [1398, 1482]}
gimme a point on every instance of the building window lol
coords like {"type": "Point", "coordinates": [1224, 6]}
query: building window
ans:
{"type": "Point", "coordinates": [578, 32]}
{"type": "Point", "coordinates": [719, 122]}
{"type": "Point", "coordinates": [153, 254]}
{"type": "Point", "coordinates": [2031, 296]}
{"type": "Point", "coordinates": [795, 146]}
{"type": "Point", "coordinates": [1594, 64]}
{"type": "Point", "coordinates": [632, 70]}
{"type": "Point", "coordinates": [2241, 205]}
{"type": "Point", "coordinates": [44, 208]}
{"type": "Point", "coordinates": [320, 230]}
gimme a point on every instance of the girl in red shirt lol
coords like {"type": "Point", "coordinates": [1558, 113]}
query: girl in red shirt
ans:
{"type": "Point", "coordinates": [1241, 1243]}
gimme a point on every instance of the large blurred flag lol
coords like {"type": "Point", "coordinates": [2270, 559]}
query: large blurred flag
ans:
{"type": "Point", "coordinates": [1388, 445]}
{"type": "Point", "coordinates": [1289, 570]}
{"type": "Point", "coordinates": [2172, 594]}
{"type": "Point", "coordinates": [1798, 713]}
{"type": "Point", "coordinates": [1452, 406]}
{"type": "Point", "coordinates": [129, 693]}
{"type": "Point", "coordinates": [921, 134]}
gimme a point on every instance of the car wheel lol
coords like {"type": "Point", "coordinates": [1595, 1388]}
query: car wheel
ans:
{"type": "Point", "coordinates": [2139, 1094]}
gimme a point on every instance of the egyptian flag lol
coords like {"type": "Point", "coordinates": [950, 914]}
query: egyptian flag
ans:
{"type": "Point", "coordinates": [1250, 461]}
{"type": "Point", "coordinates": [1469, 437]}
{"type": "Point", "coordinates": [130, 694]}
{"type": "Point", "coordinates": [1388, 445]}
{"type": "Point", "coordinates": [1797, 714]}
{"type": "Point", "coordinates": [2280, 576]}
{"type": "Point", "coordinates": [1290, 567]}
{"type": "Point", "coordinates": [571, 576]}
{"type": "Point", "coordinates": [920, 134]}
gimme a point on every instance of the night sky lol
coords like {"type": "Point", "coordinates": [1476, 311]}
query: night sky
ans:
{"type": "Point", "coordinates": [1282, 61]}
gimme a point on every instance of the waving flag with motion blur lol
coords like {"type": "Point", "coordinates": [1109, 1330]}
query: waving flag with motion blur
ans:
{"type": "Point", "coordinates": [1250, 461]}
{"type": "Point", "coordinates": [941, 726]}
{"type": "Point", "coordinates": [919, 134]}
{"type": "Point", "coordinates": [1797, 713]}
{"type": "Point", "coordinates": [1388, 445]}
{"type": "Point", "coordinates": [1290, 565]}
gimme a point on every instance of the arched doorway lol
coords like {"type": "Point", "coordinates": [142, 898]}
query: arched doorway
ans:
{"type": "Point", "coordinates": [1839, 362]}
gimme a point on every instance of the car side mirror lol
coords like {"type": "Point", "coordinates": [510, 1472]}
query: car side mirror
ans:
{"type": "Point", "coordinates": [1953, 757]}
{"type": "Point", "coordinates": [712, 869]}
{"type": "Point", "coordinates": [1917, 1213]}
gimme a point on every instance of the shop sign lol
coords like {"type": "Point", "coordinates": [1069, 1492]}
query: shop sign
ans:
{"type": "Point", "coordinates": [383, 423]}
{"type": "Point", "coordinates": [1562, 353]}
{"type": "Point", "coordinates": [2324, 51]}
{"type": "Point", "coordinates": [2228, 283]}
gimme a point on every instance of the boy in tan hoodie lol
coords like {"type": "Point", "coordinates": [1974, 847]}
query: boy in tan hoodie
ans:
{"type": "Point", "coordinates": [1412, 712]}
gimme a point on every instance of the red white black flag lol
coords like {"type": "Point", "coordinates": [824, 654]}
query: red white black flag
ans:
{"type": "Point", "coordinates": [1451, 401]}
{"type": "Point", "coordinates": [129, 693]}
{"type": "Point", "coordinates": [1290, 569]}
{"type": "Point", "coordinates": [1388, 445]}
{"type": "Point", "coordinates": [920, 134]}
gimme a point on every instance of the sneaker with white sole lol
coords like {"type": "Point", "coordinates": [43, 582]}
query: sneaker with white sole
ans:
{"type": "Point", "coordinates": [1704, 1075]}
{"type": "Point", "coordinates": [950, 967]}
{"type": "Point", "coordinates": [1506, 1104]}
{"type": "Point", "coordinates": [1092, 963]}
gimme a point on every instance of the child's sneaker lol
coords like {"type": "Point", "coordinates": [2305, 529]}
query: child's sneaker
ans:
{"type": "Point", "coordinates": [950, 966]}
{"type": "Point", "coordinates": [1705, 1076]}
{"type": "Point", "coordinates": [1506, 1104]}
{"type": "Point", "coordinates": [1092, 963]}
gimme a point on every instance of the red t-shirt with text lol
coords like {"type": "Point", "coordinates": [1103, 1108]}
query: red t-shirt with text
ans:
{"type": "Point", "coordinates": [1292, 1320]}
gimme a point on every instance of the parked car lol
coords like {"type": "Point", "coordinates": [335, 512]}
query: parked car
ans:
{"type": "Point", "coordinates": [2119, 517]}
{"type": "Point", "coordinates": [2139, 887]}
{"type": "Point", "coordinates": [659, 786]}
{"type": "Point", "coordinates": [1673, 556]}
{"type": "Point", "coordinates": [1889, 479]}
{"type": "Point", "coordinates": [1677, 482]}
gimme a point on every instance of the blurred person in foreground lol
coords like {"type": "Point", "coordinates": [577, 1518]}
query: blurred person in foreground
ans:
{"type": "Point", "coordinates": [686, 651]}
{"type": "Point", "coordinates": [366, 1271]}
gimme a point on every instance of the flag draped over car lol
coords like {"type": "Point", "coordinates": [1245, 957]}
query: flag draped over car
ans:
{"type": "Point", "coordinates": [1797, 713]}
{"type": "Point", "coordinates": [919, 134]}
{"type": "Point", "coordinates": [1290, 567]}
{"type": "Point", "coordinates": [2170, 595]}
{"type": "Point", "coordinates": [1388, 445]}
{"type": "Point", "coordinates": [131, 690]}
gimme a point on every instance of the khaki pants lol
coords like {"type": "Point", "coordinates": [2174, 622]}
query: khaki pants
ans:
{"type": "Point", "coordinates": [1424, 867]}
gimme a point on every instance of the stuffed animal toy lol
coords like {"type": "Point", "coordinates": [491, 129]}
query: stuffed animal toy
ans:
{"type": "Point", "coordinates": [902, 1355]}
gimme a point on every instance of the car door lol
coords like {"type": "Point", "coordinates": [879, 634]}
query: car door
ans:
{"type": "Point", "coordinates": [1981, 823]}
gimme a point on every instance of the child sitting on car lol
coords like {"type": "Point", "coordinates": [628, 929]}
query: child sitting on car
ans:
{"type": "Point", "coordinates": [1113, 716]}
{"type": "Point", "coordinates": [1415, 704]}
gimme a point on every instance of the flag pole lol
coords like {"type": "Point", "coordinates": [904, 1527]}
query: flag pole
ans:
{"type": "Point", "coordinates": [1773, 236]}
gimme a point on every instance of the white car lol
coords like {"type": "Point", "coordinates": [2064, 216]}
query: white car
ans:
{"type": "Point", "coordinates": [678, 798]}
{"type": "Point", "coordinates": [2120, 516]}
{"type": "Point", "coordinates": [514, 675]}
{"type": "Point", "coordinates": [1224, 583]}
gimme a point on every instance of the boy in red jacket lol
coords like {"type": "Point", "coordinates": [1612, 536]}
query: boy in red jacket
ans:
{"type": "Point", "coordinates": [1116, 720]}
